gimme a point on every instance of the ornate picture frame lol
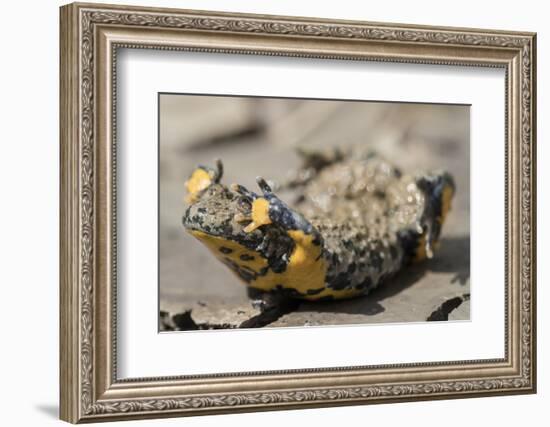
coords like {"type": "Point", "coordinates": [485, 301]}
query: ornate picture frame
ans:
{"type": "Point", "coordinates": [90, 37]}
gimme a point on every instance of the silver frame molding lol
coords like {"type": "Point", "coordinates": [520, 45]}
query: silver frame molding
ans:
{"type": "Point", "coordinates": [90, 37]}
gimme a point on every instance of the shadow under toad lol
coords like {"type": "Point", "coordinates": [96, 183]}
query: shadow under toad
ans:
{"type": "Point", "coordinates": [452, 257]}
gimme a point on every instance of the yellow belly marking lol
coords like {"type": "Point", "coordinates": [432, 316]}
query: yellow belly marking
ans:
{"type": "Point", "coordinates": [305, 269]}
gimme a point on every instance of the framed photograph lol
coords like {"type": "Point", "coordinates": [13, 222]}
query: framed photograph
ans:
{"type": "Point", "coordinates": [267, 212]}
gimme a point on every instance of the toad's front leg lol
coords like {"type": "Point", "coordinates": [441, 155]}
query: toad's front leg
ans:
{"type": "Point", "coordinates": [302, 270]}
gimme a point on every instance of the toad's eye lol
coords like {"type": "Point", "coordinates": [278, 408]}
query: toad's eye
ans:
{"type": "Point", "coordinates": [244, 204]}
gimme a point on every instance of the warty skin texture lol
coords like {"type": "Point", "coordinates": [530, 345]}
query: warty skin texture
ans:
{"type": "Point", "coordinates": [357, 221]}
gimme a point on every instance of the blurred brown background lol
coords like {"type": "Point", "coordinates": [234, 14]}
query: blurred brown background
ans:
{"type": "Point", "coordinates": [258, 136]}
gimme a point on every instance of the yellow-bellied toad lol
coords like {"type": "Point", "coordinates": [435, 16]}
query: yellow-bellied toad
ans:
{"type": "Point", "coordinates": [356, 222]}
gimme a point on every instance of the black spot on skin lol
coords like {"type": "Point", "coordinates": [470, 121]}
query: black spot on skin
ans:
{"type": "Point", "coordinates": [278, 265]}
{"type": "Point", "coordinates": [393, 252]}
{"type": "Point", "coordinates": [246, 257]}
{"type": "Point", "coordinates": [231, 264]}
{"type": "Point", "coordinates": [376, 260]}
{"type": "Point", "coordinates": [314, 291]}
{"type": "Point", "coordinates": [225, 250]}
{"type": "Point", "coordinates": [380, 194]}
{"type": "Point", "coordinates": [365, 284]}
{"type": "Point", "coordinates": [185, 216]}
{"type": "Point", "coordinates": [348, 244]}
{"type": "Point", "coordinates": [409, 242]}
{"type": "Point", "coordinates": [245, 274]}
{"type": "Point", "coordinates": [247, 270]}
{"type": "Point", "coordinates": [341, 281]}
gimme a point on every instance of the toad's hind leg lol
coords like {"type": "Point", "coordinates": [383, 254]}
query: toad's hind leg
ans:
{"type": "Point", "coordinates": [438, 189]}
{"type": "Point", "coordinates": [432, 195]}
